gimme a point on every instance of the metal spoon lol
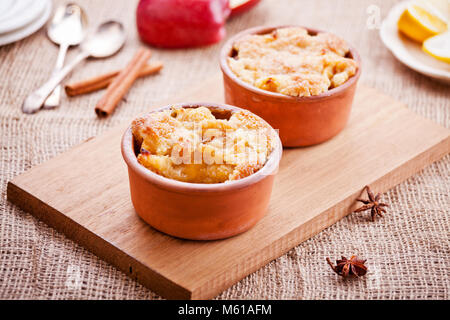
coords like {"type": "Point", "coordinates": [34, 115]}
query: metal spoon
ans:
{"type": "Point", "coordinates": [107, 40]}
{"type": "Point", "coordinates": [67, 28]}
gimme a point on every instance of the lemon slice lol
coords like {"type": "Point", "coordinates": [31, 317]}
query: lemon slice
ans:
{"type": "Point", "coordinates": [438, 46]}
{"type": "Point", "coordinates": [419, 24]}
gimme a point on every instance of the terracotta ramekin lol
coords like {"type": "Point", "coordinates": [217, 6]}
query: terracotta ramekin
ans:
{"type": "Point", "coordinates": [301, 121]}
{"type": "Point", "coordinates": [199, 211]}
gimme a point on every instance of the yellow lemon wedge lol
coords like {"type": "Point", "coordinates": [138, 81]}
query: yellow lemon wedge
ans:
{"type": "Point", "coordinates": [438, 46]}
{"type": "Point", "coordinates": [419, 24]}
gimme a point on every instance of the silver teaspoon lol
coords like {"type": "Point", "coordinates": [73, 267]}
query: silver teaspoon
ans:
{"type": "Point", "coordinates": [67, 28]}
{"type": "Point", "coordinates": [107, 40]}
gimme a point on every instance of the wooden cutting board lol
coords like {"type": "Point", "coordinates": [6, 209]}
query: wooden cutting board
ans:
{"type": "Point", "coordinates": [84, 193]}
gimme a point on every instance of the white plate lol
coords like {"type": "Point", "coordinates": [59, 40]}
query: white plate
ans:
{"type": "Point", "coordinates": [28, 29]}
{"type": "Point", "coordinates": [5, 7]}
{"type": "Point", "coordinates": [409, 52]}
{"type": "Point", "coordinates": [21, 13]}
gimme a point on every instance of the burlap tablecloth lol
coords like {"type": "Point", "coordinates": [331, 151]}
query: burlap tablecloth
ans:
{"type": "Point", "coordinates": [408, 250]}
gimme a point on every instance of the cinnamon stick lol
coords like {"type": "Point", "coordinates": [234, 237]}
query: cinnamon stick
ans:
{"type": "Point", "coordinates": [122, 83]}
{"type": "Point", "coordinates": [102, 81]}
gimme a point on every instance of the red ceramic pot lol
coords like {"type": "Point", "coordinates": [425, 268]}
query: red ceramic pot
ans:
{"type": "Point", "coordinates": [302, 121]}
{"type": "Point", "coordinates": [194, 210]}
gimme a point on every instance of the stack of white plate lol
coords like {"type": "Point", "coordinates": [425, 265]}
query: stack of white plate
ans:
{"type": "Point", "coordinates": [21, 18]}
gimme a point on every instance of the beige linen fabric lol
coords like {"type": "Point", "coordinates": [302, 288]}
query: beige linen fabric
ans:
{"type": "Point", "coordinates": [408, 250]}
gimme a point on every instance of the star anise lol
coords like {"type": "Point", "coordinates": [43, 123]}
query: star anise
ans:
{"type": "Point", "coordinates": [376, 207]}
{"type": "Point", "coordinates": [352, 267]}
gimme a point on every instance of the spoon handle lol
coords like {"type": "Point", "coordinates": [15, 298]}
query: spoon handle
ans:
{"type": "Point", "coordinates": [53, 99]}
{"type": "Point", "coordinates": [35, 100]}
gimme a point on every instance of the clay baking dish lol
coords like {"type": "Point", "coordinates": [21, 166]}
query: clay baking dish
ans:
{"type": "Point", "coordinates": [301, 121]}
{"type": "Point", "coordinates": [199, 211]}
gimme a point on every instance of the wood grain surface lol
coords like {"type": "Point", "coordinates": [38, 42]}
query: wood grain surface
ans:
{"type": "Point", "coordinates": [84, 193]}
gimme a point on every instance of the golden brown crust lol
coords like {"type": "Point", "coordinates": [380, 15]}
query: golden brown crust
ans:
{"type": "Point", "coordinates": [191, 145]}
{"type": "Point", "coordinates": [292, 62]}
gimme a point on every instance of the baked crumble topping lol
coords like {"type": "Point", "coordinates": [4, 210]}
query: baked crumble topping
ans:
{"type": "Point", "coordinates": [192, 145]}
{"type": "Point", "coordinates": [292, 62]}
